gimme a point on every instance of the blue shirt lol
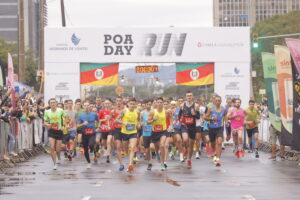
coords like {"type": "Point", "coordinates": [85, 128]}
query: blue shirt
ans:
{"type": "Point", "coordinates": [147, 128]}
{"type": "Point", "coordinates": [218, 123]}
{"type": "Point", "coordinates": [90, 117]}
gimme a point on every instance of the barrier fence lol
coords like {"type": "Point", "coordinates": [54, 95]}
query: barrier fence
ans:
{"type": "Point", "coordinates": [17, 136]}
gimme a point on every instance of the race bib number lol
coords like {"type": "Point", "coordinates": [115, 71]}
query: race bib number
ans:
{"type": "Point", "coordinates": [104, 128]}
{"type": "Point", "coordinates": [147, 130]}
{"type": "Point", "coordinates": [89, 131]}
{"type": "Point", "coordinates": [158, 128]}
{"type": "Point", "coordinates": [188, 120]}
{"type": "Point", "coordinates": [130, 127]}
{"type": "Point", "coordinates": [252, 125]}
{"type": "Point", "coordinates": [54, 127]}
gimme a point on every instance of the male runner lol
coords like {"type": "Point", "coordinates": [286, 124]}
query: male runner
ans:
{"type": "Point", "coordinates": [189, 112]}
{"type": "Point", "coordinates": [216, 116]}
{"type": "Point", "coordinates": [177, 129]}
{"type": "Point", "coordinates": [88, 122]}
{"type": "Point", "coordinates": [129, 120]}
{"type": "Point", "coordinates": [158, 119]}
{"type": "Point", "coordinates": [237, 117]}
{"type": "Point", "coordinates": [54, 120]}
{"type": "Point", "coordinates": [228, 123]}
{"type": "Point", "coordinates": [251, 121]}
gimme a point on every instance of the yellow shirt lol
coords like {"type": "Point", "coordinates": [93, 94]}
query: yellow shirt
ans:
{"type": "Point", "coordinates": [160, 124]}
{"type": "Point", "coordinates": [132, 119]}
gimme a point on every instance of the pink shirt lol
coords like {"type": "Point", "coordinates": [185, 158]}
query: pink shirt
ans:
{"type": "Point", "coordinates": [239, 120]}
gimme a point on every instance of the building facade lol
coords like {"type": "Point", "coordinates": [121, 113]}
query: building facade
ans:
{"type": "Point", "coordinates": [248, 12]}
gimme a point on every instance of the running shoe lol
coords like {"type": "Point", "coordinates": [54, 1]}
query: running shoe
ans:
{"type": "Point", "coordinates": [273, 158]}
{"type": "Point", "coordinates": [95, 159]}
{"type": "Point", "coordinates": [89, 166]}
{"type": "Point", "coordinates": [185, 154]}
{"type": "Point", "coordinates": [149, 167]}
{"type": "Point", "coordinates": [66, 154]}
{"type": "Point", "coordinates": [70, 157]}
{"type": "Point", "coordinates": [158, 157]}
{"type": "Point", "coordinates": [55, 167]}
{"type": "Point", "coordinates": [114, 153]}
{"type": "Point", "coordinates": [197, 155]}
{"type": "Point", "coordinates": [282, 158]}
{"type": "Point", "coordinates": [98, 154]}
{"type": "Point", "coordinates": [122, 167]}
{"type": "Point", "coordinates": [130, 168]}
{"type": "Point", "coordinates": [165, 164]}
{"type": "Point", "coordinates": [256, 154]}
{"type": "Point", "coordinates": [181, 157]}
{"type": "Point", "coordinates": [136, 159]}
{"type": "Point", "coordinates": [58, 162]}
{"type": "Point", "coordinates": [211, 154]}
{"type": "Point", "coordinates": [237, 153]}
{"type": "Point", "coordinates": [162, 167]}
{"type": "Point", "coordinates": [189, 164]}
{"type": "Point", "coordinates": [242, 152]}
{"type": "Point", "coordinates": [214, 158]}
{"type": "Point", "coordinates": [107, 159]}
{"type": "Point", "coordinates": [217, 162]}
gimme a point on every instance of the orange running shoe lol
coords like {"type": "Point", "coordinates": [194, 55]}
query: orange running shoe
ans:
{"type": "Point", "coordinates": [237, 153]}
{"type": "Point", "coordinates": [130, 168]}
{"type": "Point", "coordinates": [242, 153]}
{"type": "Point", "coordinates": [189, 164]}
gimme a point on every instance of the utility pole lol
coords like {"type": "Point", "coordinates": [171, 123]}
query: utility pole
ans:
{"type": "Point", "coordinates": [21, 43]}
{"type": "Point", "coordinates": [63, 16]}
{"type": "Point", "coordinates": [42, 24]}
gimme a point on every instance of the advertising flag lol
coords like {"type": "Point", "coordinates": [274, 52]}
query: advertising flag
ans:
{"type": "Point", "coordinates": [99, 73]}
{"type": "Point", "coordinates": [294, 47]}
{"type": "Point", "coordinates": [194, 74]}
{"type": "Point", "coordinates": [10, 79]}
{"type": "Point", "coordinates": [271, 85]}
{"type": "Point", "coordinates": [285, 89]}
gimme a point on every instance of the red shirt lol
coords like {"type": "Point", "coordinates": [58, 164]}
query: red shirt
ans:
{"type": "Point", "coordinates": [105, 126]}
{"type": "Point", "coordinates": [115, 116]}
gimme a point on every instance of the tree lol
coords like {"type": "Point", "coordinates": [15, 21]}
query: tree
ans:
{"type": "Point", "coordinates": [5, 48]}
{"type": "Point", "coordinates": [276, 25]}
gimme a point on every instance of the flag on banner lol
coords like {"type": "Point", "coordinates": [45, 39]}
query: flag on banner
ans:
{"type": "Point", "coordinates": [10, 79]}
{"type": "Point", "coordinates": [285, 89]}
{"type": "Point", "coordinates": [294, 47]}
{"type": "Point", "coordinates": [194, 74]}
{"type": "Point", "coordinates": [271, 85]}
{"type": "Point", "coordinates": [99, 73]}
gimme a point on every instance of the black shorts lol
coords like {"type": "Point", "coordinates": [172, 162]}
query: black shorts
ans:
{"type": "Point", "coordinates": [190, 132]}
{"type": "Point", "coordinates": [147, 141]}
{"type": "Point", "coordinates": [251, 131]}
{"type": "Point", "coordinates": [215, 133]}
{"type": "Point", "coordinates": [177, 131]}
{"type": "Point", "coordinates": [55, 134]}
{"type": "Point", "coordinates": [117, 134]}
{"type": "Point", "coordinates": [199, 129]}
{"type": "Point", "coordinates": [105, 134]}
{"type": "Point", "coordinates": [157, 135]}
{"type": "Point", "coordinates": [126, 137]}
{"type": "Point", "coordinates": [88, 140]}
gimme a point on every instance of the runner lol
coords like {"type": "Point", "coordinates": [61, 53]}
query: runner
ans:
{"type": "Point", "coordinates": [147, 131]}
{"type": "Point", "coordinates": [129, 120]}
{"type": "Point", "coordinates": [119, 108]}
{"type": "Point", "coordinates": [71, 121]}
{"type": "Point", "coordinates": [54, 118]}
{"type": "Point", "coordinates": [99, 104]}
{"type": "Point", "coordinates": [88, 122]}
{"type": "Point", "coordinates": [78, 139]}
{"type": "Point", "coordinates": [158, 119]}
{"type": "Point", "coordinates": [177, 129]}
{"type": "Point", "coordinates": [228, 122]}
{"type": "Point", "coordinates": [252, 120]}
{"type": "Point", "coordinates": [105, 128]}
{"type": "Point", "coordinates": [216, 116]}
{"type": "Point", "coordinates": [169, 134]}
{"type": "Point", "coordinates": [237, 117]}
{"type": "Point", "coordinates": [189, 112]}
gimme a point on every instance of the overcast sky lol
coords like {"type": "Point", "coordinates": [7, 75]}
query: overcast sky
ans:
{"type": "Point", "coordinates": [132, 13]}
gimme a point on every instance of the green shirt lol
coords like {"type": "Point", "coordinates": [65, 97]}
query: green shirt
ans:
{"type": "Point", "coordinates": [252, 115]}
{"type": "Point", "coordinates": [55, 117]}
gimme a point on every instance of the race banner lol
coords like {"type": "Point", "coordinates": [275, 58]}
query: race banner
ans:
{"type": "Point", "coordinates": [194, 74]}
{"type": "Point", "coordinates": [285, 88]}
{"type": "Point", "coordinates": [271, 85]}
{"type": "Point", "coordinates": [99, 73]}
{"type": "Point", "coordinates": [294, 47]}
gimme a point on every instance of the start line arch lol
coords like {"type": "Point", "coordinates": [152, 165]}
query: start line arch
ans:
{"type": "Point", "coordinates": [227, 47]}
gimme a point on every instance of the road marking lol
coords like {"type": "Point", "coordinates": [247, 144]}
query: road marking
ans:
{"type": "Point", "coordinates": [99, 184]}
{"type": "Point", "coordinates": [86, 198]}
{"type": "Point", "coordinates": [248, 197]}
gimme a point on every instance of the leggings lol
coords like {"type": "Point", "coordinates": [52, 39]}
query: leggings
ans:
{"type": "Point", "coordinates": [88, 141]}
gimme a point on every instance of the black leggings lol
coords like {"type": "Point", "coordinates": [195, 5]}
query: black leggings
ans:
{"type": "Point", "coordinates": [88, 141]}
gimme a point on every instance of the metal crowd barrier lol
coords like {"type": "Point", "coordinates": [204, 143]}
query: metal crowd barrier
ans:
{"type": "Point", "coordinates": [19, 136]}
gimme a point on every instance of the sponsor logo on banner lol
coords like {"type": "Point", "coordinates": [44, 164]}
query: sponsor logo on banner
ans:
{"type": "Point", "coordinates": [75, 40]}
{"type": "Point", "coordinates": [235, 83]}
{"type": "Point", "coordinates": [222, 44]}
{"type": "Point", "coordinates": [99, 74]}
{"type": "Point", "coordinates": [194, 74]}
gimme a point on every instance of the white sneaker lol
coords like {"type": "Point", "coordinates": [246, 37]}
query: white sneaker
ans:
{"type": "Point", "coordinates": [58, 162]}
{"type": "Point", "coordinates": [181, 157]}
{"type": "Point", "coordinates": [55, 167]}
{"type": "Point", "coordinates": [88, 166]}
{"type": "Point", "coordinates": [197, 155]}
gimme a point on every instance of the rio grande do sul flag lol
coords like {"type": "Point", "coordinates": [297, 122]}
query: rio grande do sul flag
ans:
{"type": "Point", "coordinates": [194, 74]}
{"type": "Point", "coordinates": [99, 73]}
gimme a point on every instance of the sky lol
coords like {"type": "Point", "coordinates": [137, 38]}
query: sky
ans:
{"type": "Point", "coordinates": [132, 13]}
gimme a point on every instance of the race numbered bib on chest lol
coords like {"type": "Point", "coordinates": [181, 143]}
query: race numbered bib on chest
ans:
{"type": "Point", "coordinates": [54, 127]}
{"type": "Point", "coordinates": [188, 120]}
{"type": "Point", "coordinates": [147, 130]}
{"type": "Point", "coordinates": [130, 127]}
{"type": "Point", "coordinates": [158, 128]}
{"type": "Point", "coordinates": [89, 131]}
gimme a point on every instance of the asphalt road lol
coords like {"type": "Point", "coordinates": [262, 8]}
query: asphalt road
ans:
{"type": "Point", "coordinates": [246, 178]}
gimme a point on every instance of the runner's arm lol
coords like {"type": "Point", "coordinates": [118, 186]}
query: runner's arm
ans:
{"type": "Point", "coordinates": [207, 115]}
{"type": "Point", "coordinates": [150, 119]}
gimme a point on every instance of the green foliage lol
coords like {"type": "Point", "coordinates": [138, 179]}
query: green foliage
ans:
{"type": "Point", "coordinates": [5, 48]}
{"type": "Point", "coordinates": [277, 25]}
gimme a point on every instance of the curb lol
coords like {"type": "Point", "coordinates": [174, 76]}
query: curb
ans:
{"type": "Point", "coordinates": [21, 157]}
